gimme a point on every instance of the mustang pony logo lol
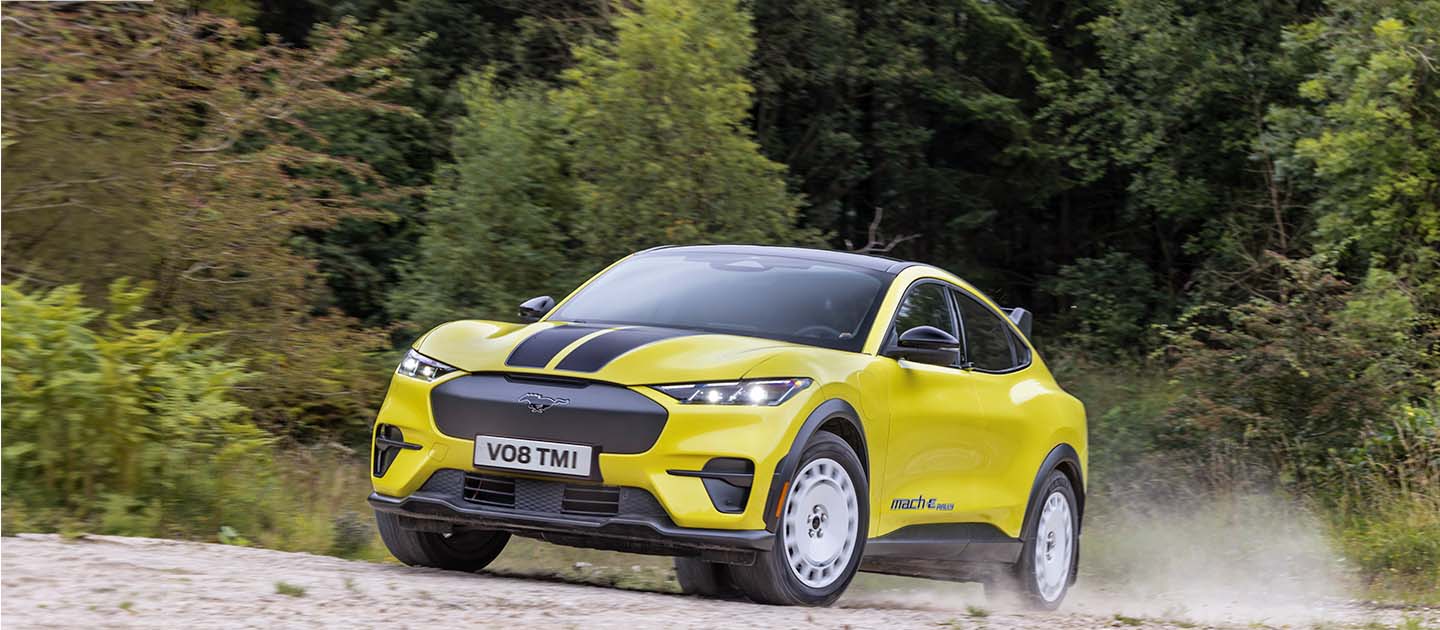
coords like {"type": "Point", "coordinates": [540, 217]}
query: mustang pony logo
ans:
{"type": "Point", "coordinates": [540, 403]}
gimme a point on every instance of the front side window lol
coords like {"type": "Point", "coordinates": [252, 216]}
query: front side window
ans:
{"type": "Point", "coordinates": [987, 337]}
{"type": "Point", "coordinates": [924, 305]}
{"type": "Point", "coordinates": [823, 304]}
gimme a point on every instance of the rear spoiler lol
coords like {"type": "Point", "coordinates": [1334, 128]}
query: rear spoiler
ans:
{"type": "Point", "coordinates": [1022, 319]}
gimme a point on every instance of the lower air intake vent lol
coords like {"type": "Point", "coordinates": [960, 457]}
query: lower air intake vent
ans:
{"type": "Point", "coordinates": [498, 491]}
{"type": "Point", "coordinates": [542, 496]}
{"type": "Point", "coordinates": [598, 501]}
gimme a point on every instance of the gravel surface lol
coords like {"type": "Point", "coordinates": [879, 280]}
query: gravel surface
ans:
{"type": "Point", "coordinates": [106, 581]}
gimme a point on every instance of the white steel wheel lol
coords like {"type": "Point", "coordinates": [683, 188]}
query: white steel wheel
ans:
{"type": "Point", "coordinates": [821, 523]}
{"type": "Point", "coordinates": [1055, 547]}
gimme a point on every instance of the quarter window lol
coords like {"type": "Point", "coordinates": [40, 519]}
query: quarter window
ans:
{"type": "Point", "coordinates": [987, 337]}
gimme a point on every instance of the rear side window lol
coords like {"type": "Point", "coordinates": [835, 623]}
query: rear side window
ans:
{"type": "Point", "coordinates": [988, 342]}
{"type": "Point", "coordinates": [925, 305]}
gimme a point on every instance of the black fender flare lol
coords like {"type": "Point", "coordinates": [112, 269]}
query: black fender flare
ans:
{"type": "Point", "coordinates": [1061, 454]}
{"type": "Point", "coordinates": [832, 409]}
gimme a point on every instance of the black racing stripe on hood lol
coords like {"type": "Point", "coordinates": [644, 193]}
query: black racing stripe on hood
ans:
{"type": "Point", "coordinates": [538, 349]}
{"type": "Point", "coordinates": [596, 353]}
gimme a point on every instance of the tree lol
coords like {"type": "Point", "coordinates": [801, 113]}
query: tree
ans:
{"type": "Point", "coordinates": [644, 145]}
{"type": "Point", "coordinates": [1160, 135]}
{"type": "Point", "coordinates": [497, 226]}
{"type": "Point", "coordinates": [197, 171]}
{"type": "Point", "coordinates": [921, 110]}
{"type": "Point", "coordinates": [1363, 145]}
{"type": "Point", "coordinates": [657, 125]}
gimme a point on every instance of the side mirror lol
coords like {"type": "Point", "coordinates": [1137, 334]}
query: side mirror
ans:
{"type": "Point", "coordinates": [533, 309]}
{"type": "Point", "coordinates": [1022, 318]}
{"type": "Point", "coordinates": [926, 344]}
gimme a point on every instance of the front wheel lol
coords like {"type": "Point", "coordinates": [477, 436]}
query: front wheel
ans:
{"type": "Point", "coordinates": [463, 550]}
{"type": "Point", "coordinates": [821, 533]}
{"type": "Point", "coordinates": [1047, 564]}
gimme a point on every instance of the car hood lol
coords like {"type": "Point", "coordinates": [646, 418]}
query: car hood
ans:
{"type": "Point", "coordinates": [628, 355]}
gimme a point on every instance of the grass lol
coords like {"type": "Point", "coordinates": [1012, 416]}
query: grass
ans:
{"type": "Point", "coordinates": [976, 612]}
{"type": "Point", "coordinates": [314, 501]}
{"type": "Point", "coordinates": [1395, 543]}
{"type": "Point", "coordinates": [289, 590]}
{"type": "Point", "coordinates": [1129, 621]}
{"type": "Point", "coordinates": [127, 606]}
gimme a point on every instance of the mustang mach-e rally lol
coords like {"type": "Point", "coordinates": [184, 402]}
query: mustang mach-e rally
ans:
{"type": "Point", "coordinates": [775, 418]}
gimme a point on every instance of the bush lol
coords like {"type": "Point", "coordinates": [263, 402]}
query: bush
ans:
{"type": "Point", "coordinates": [1389, 511]}
{"type": "Point", "coordinates": [1295, 378]}
{"type": "Point", "coordinates": [120, 420]}
{"type": "Point", "coordinates": [118, 426]}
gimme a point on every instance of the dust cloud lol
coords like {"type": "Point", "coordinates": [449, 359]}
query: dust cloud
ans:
{"type": "Point", "coordinates": [1251, 558]}
{"type": "Point", "coordinates": [1240, 559]}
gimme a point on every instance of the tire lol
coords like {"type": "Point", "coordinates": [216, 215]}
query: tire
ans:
{"type": "Point", "coordinates": [466, 550]}
{"type": "Point", "coordinates": [706, 579]}
{"type": "Point", "coordinates": [1052, 535]}
{"type": "Point", "coordinates": [829, 481]}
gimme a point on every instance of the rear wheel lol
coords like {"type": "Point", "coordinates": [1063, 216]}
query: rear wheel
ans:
{"type": "Point", "coordinates": [463, 550]}
{"type": "Point", "coordinates": [706, 579]}
{"type": "Point", "coordinates": [821, 533]}
{"type": "Point", "coordinates": [1047, 564]}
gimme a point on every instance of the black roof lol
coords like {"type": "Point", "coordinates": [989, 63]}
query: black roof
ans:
{"type": "Point", "coordinates": [866, 261]}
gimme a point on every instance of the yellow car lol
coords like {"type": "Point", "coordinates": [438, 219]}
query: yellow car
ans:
{"type": "Point", "coordinates": [776, 418]}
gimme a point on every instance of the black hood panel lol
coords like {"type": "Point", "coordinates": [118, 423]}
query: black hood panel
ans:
{"type": "Point", "coordinates": [613, 418]}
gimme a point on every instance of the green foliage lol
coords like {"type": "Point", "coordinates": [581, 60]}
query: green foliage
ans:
{"type": "Point", "coordinates": [656, 119]}
{"type": "Point", "coordinates": [228, 536]}
{"type": "Point", "coordinates": [1364, 142]}
{"type": "Point", "coordinates": [644, 145]}
{"type": "Point", "coordinates": [1111, 299]}
{"type": "Point", "coordinates": [1164, 126]}
{"type": "Point", "coordinates": [921, 109]}
{"type": "Point", "coordinates": [200, 168]}
{"type": "Point", "coordinates": [1301, 376]}
{"type": "Point", "coordinates": [1390, 512]}
{"type": "Point", "coordinates": [116, 424]}
{"type": "Point", "coordinates": [1224, 215]}
{"type": "Point", "coordinates": [120, 419]}
{"type": "Point", "coordinates": [289, 590]}
{"type": "Point", "coordinates": [498, 216]}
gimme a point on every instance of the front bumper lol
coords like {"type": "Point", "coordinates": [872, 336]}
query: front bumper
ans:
{"type": "Point", "coordinates": [535, 510]}
{"type": "Point", "coordinates": [689, 438]}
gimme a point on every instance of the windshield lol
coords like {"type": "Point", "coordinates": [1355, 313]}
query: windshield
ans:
{"type": "Point", "coordinates": [776, 297]}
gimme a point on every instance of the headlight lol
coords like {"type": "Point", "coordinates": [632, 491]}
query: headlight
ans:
{"type": "Point", "coordinates": [416, 365]}
{"type": "Point", "coordinates": [769, 392]}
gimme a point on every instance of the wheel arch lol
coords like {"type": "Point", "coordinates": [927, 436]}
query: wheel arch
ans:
{"type": "Point", "coordinates": [1064, 458]}
{"type": "Point", "coordinates": [833, 416]}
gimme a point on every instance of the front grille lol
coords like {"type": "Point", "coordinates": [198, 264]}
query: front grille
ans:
{"type": "Point", "coordinates": [614, 419]}
{"type": "Point", "coordinates": [544, 496]}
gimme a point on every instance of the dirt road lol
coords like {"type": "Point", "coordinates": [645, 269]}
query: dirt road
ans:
{"type": "Point", "coordinates": [104, 581]}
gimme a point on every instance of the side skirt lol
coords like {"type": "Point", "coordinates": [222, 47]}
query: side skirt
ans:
{"type": "Point", "coordinates": [961, 552]}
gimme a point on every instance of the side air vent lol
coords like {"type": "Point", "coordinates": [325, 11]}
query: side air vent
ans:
{"type": "Point", "coordinates": [389, 441]}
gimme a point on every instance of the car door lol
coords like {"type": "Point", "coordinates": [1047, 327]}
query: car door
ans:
{"type": "Point", "coordinates": [995, 361]}
{"type": "Point", "coordinates": [932, 422]}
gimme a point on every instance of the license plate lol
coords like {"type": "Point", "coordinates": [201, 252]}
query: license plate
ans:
{"type": "Point", "coordinates": [532, 455]}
